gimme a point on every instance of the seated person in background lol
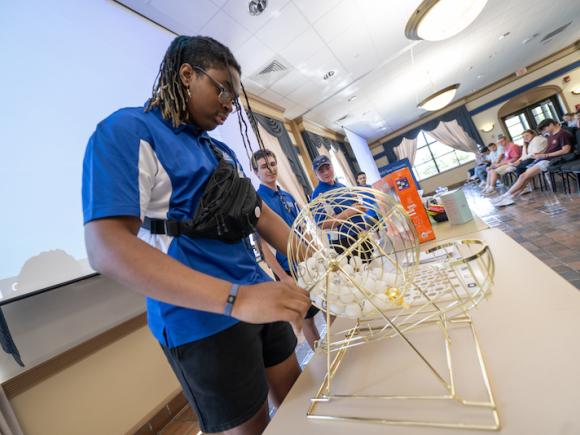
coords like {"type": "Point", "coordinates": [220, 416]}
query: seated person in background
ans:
{"type": "Point", "coordinates": [533, 144]}
{"type": "Point", "coordinates": [480, 160]}
{"type": "Point", "coordinates": [265, 166]}
{"type": "Point", "coordinates": [559, 144]}
{"type": "Point", "coordinates": [495, 157]}
{"type": "Point", "coordinates": [345, 220]}
{"type": "Point", "coordinates": [570, 121]}
{"type": "Point", "coordinates": [511, 154]}
{"type": "Point", "coordinates": [480, 171]}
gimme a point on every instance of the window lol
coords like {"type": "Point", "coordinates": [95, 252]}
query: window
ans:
{"type": "Point", "coordinates": [531, 116]}
{"type": "Point", "coordinates": [434, 157]}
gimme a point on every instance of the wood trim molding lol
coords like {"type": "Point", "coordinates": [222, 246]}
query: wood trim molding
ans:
{"type": "Point", "coordinates": [554, 57]}
{"type": "Point", "coordinates": [295, 130]}
{"type": "Point", "coordinates": [305, 124]}
{"type": "Point", "coordinates": [265, 107]}
{"type": "Point", "coordinates": [26, 380]}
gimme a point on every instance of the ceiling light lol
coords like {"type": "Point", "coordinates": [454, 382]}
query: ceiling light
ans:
{"type": "Point", "coordinates": [479, 76]}
{"type": "Point", "coordinates": [486, 128]}
{"type": "Point", "coordinates": [256, 7]}
{"type": "Point", "coordinates": [439, 99]}
{"type": "Point", "coordinates": [576, 90]}
{"type": "Point", "coordinates": [351, 99]}
{"type": "Point", "coordinates": [328, 75]}
{"type": "Point", "coordinates": [435, 20]}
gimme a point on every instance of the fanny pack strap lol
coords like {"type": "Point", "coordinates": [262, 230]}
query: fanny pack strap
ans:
{"type": "Point", "coordinates": [169, 227]}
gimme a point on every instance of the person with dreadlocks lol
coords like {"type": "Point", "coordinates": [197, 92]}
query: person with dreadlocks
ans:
{"type": "Point", "coordinates": [223, 324]}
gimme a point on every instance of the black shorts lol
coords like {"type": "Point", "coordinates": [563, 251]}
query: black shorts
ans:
{"type": "Point", "coordinates": [312, 311]}
{"type": "Point", "coordinates": [223, 376]}
{"type": "Point", "coordinates": [364, 250]}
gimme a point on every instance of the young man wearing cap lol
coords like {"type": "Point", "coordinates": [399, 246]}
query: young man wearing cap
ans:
{"type": "Point", "coordinates": [265, 166]}
{"type": "Point", "coordinates": [342, 235]}
{"type": "Point", "coordinates": [559, 144]}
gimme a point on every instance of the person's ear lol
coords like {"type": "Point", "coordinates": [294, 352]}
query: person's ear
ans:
{"type": "Point", "coordinates": [186, 74]}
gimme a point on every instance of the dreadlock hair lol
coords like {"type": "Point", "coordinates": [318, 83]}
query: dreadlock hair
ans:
{"type": "Point", "coordinates": [169, 93]}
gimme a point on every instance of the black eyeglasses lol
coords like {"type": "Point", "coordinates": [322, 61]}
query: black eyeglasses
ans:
{"type": "Point", "coordinates": [225, 96]}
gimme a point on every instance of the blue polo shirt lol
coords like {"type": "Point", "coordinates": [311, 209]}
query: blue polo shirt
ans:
{"type": "Point", "coordinates": [137, 164]}
{"type": "Point", "coordinates": [357, 221]}
{"type": "Point", "coordinates": [284, 205]}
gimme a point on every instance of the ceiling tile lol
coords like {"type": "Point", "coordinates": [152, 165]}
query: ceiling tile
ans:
{"type": "Point", "coordinates": [303, 47]}
{"type": "Point", "coordinates": [279, 32]}
{"type": "Point", "coordinates": [223, 28]}
{"type": "Point", "coordinates": [314, 10]}
{"type": "Point", "coordinates": [253, 55]}
{"type": "Point", "coordinates": [238, 10]}
{"type": "Point", "coordinates": [185, 17]}
{"type": "Point", "coordinates": [289, 83]}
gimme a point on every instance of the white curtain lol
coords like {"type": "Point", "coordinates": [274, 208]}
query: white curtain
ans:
{"type": "Point", "coordinates": [343, 162]}
{"type": "Point", "coordinates": [286, 177]}
{"type": "Point", "coordinates": [8, 423]}
{"type": "Point", "coordinates": [450, 133]}
{"type": "Point", "coordinates": [407, 149]}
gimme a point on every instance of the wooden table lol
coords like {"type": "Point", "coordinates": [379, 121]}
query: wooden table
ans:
{"type": "Point", "coordinates": [529, 331]}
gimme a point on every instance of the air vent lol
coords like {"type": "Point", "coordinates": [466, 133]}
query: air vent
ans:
{"type": "Point", "coordinates": [555, 32]}
{"type": "Point", "coordinates": [274, 66]}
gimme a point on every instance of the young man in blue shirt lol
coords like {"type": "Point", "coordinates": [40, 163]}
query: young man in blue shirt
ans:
{"type": "Point", "coordinates": [220, 320]}
{"type": "Point", "coordinates": [345, 218]}
{"type": "Point", "coordinates": [265, 165]}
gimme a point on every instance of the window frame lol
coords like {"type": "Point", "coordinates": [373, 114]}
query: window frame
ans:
{"type": "Point", "coordinates": [430, 140]}
{"type": "Point", "coordinates": [529, 115]}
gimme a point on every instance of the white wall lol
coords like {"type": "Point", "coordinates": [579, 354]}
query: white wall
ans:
{"type": "Point", "coordinates": [447, 178]}
{"type": "Point", "coordinates": [490, 115]}
{"type": "Point", "coordinates": [363, 155]}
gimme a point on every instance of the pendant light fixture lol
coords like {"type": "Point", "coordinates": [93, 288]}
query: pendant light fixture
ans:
{"type": "Point", "coordinates": [439, 99]}
{"type": "Point", "coordinates": [435, 20]}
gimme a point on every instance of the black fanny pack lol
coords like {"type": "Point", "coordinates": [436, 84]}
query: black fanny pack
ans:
{"type": "Point", "coordinates": [229, 208]}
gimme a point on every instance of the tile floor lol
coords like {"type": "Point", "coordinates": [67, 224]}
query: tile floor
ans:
{"type": "Point", "coordinates": [546, 224]}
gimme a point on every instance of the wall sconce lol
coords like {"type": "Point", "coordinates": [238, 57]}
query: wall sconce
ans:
{"type": "Point", "coordinates": [576, 90]}
{"type": "Point", "coordinates": [486, 128]}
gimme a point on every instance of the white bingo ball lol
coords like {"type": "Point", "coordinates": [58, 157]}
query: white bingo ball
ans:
{"type": "Point", "coordinates": [352, 310]}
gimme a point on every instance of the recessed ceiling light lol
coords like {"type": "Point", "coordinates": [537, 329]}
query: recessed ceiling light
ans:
{"type": "Point", "coordinates": [479, 76]}
{"type": "Point", "coordinates": [435, 20]}
{"type": "Point", "coordinates": [439, 99]}
{"type": "Point", "coordinates": [383, 128]}
{"type": "Point", "coordinates": [504, 35]}
{"type": "Point", "coordinates": [351, 99]}
{"type": "Point", "coordinates": [329, 74]}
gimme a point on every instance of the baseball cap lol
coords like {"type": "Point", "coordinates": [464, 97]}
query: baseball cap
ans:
{"type": "Point", "coordinates": [319, 161]}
